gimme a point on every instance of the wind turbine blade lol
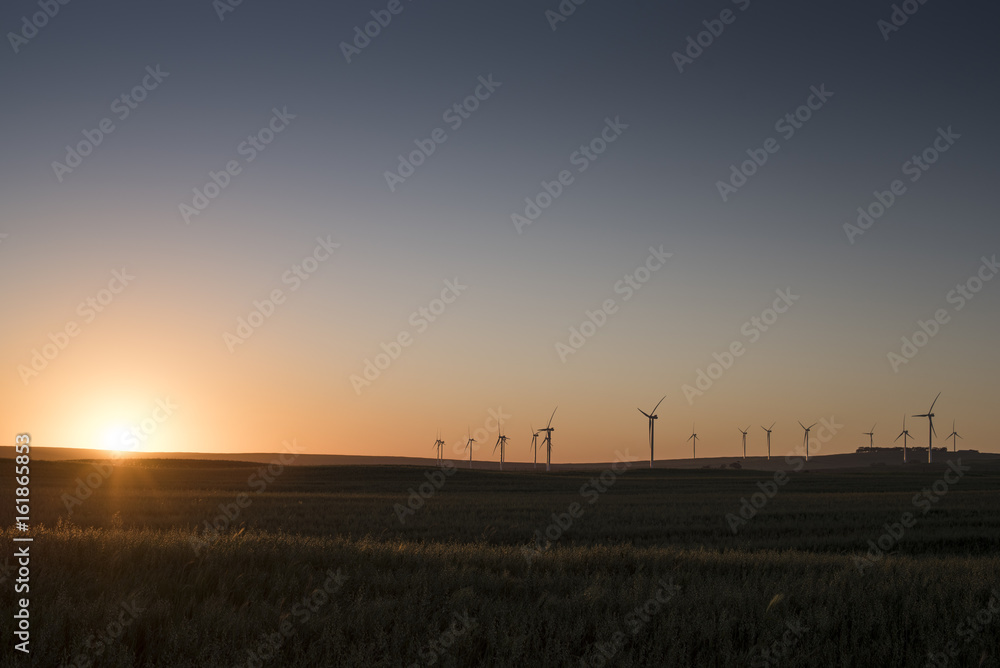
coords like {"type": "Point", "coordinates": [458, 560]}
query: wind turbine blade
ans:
{"type": "Point", "coordinates": [644, 413]}
{"type": "Point", "coordinates": [552, 416]}
{"type": "Point", "coordinates": [813, 425]}
{"type": "Point", "coordinates": [772, 425]}
{"type": "Point", "coordinates": [931, 409]}
{"type": "Point", "coordinates": [802, 425]}
{"type": "Point", "coordinates": [658, 404]}
{"type": "Point", "coordinates": [897, 438]}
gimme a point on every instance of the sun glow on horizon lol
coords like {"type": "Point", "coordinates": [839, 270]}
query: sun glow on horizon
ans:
{"type": "Point", "coordinates": [115, 438]}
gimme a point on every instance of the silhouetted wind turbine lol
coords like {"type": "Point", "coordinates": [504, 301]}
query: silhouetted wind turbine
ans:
{"type": "Point", "coordinates": [502, 443]}
{"type": "Point", "coordinates": [694, 446]}
{"type": "Point", "coordinates": [768, 430]}
{"type": "Point", "coordinates": [871, 436]}
{"type": "Point", "coordinates": [468, 446]}
{"type": "Point", "coordinates": [744, 432]}
{"type": "Point", "coordinates": [931, 432]}
{"type": "Point", "coordinates": [438, 446]}
{"type": "Point", "coordinates": [905, 434]}
{"type": "Point", "coordinates": [953, 435]}
{"type": "Point", "coordinates": [805, 438]}
{"type": "Point", "coordinates": [534, 445]}
{"type": "Point", "coordinates": [548, 429]}
{"type": "Point", "coordinates": [652, 416]}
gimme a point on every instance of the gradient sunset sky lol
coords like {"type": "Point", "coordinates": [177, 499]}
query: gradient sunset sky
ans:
{"type": "Point", "coordinates": [161, 338]}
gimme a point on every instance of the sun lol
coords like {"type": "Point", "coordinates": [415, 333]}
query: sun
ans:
{"type": "Point", "coordinates": [114, 438]}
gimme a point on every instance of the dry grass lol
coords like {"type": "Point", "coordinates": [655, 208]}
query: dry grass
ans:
{"type": "Point", "coordinates": [462, 554]}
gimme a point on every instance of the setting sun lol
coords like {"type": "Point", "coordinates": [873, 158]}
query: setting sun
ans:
{"type": "Point", "coordinates": [115, 438]}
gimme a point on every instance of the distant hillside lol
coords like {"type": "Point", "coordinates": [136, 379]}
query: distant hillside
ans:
{"type": "Point", "coordinates": [852, 460]}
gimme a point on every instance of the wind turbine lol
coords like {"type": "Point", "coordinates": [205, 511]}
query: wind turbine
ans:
{"type": "Point", "coordinates": [468, 446]}
{"type": "Point", "coordinates": [905, 434]}
{"type": "Point", "coordinates": [768, 430]}
{"type": "Point", "coordinates": [438, 446]}
{"type": "Point", "coordinates": [931, 432]}
{"type": "Point", "coordinates": [805, 439]}
{"type": "Point", "coordinates": [534, 445]}
{"type": "Point", "coordinates": [547, 441]}
{"type": "Point", "coordinates": [694, 445]}
{"type": "Point", "coordinates": [502, 443]}
{"type": "Point", "coordinates": [652, 416]}
{"type": "Point", "coordinates": [871, 437]}
{"type": "Point", "coordinates": [953, 435]}
{"type": "Point", "coordinates": [744, 432]}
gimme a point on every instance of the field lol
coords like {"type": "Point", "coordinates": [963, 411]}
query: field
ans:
{"type": "Point", "coordinates": [344, 566]}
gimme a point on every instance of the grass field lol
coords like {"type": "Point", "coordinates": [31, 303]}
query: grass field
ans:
{"type": "Point", "coordinates": [316, 566]}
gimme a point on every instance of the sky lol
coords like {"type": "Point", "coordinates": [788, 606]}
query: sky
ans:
{"type": "Point", "coordinates": [228, 226]}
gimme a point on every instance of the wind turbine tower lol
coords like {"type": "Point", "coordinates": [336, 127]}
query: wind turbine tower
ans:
{"type": "Point", "coordinates": [694, 443]}
{"type": "Point", "coordinates": [468, 446]}
{"type": "Point", "coordinates": [502, 444]}
{"type": "Point", "coordinates": [953, 436]}
{"type": "Point", "coordinates": [439, 447]}
{"type": "Point", "coordinates": [805, 438]}
{"type": "Point", "coordinates": [547, 441]}
{"type": "Point", "coordinates": [651, 415]}
{"type": "Point", "coordinates": [534, 446]}
{"type": "Point", "coordinates": [768, 430]}
{"type": "Point", "coordinates": [871, 437]}
{"type": "Point", "coordinates": [744, 432]}
{"type": "Point", "coordinates": [931, 432]}
{"type": "Point", "coordinates": [905, 434]}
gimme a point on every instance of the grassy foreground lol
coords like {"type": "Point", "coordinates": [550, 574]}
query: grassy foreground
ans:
{"type": "Point", "coordinates": [318, 570]}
